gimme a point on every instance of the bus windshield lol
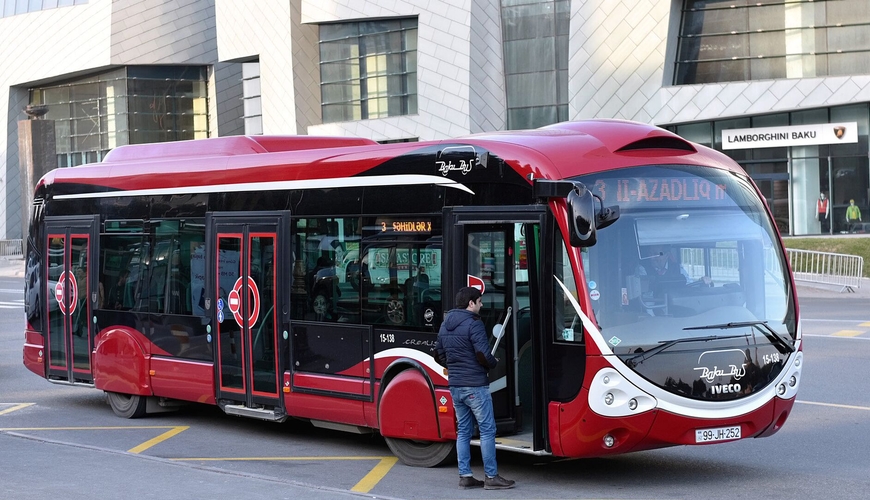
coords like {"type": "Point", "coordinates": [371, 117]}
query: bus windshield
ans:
{"type": "Point", "coordinates": [693, 253]}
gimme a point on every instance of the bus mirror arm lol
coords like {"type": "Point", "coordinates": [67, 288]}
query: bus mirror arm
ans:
{"type": "Point", "coordinates": [605, 215]}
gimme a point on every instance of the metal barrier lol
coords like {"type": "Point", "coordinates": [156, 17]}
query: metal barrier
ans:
{"type": "Point", "coordinates": [12, 249]}
{"type": "Point", "coordinates": [827, 268]}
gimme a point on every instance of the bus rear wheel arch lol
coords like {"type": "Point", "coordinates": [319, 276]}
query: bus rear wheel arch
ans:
{"type": "Point", "coordinates": [408, 416]}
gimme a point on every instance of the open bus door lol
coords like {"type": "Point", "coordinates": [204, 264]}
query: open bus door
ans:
{"type": "Point", "coordinates": [498, 249]}
{"type": "Point", "coordinates": [71, 294]}
{"type": "Point", "coordinates": [243, 262]}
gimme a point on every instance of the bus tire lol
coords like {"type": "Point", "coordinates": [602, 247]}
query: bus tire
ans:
{"type": "Point", "coordinates": [127, 405]}
{"type": "Point", "coordinates": [421, 453]}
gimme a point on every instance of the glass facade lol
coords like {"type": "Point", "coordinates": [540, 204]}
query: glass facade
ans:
{"type": "Point", "coordinates": [368, 69]}
{"type": "Point", "coordinates": [131, 105]}
{"type": "Point", "coordinates": [15, 7]}
{"type": "Point", "coordinates": [739, 40]}
{"type": "Point", "coordinates": [535, 41]}
{"type": "Point", "coordinates": [794, 179]}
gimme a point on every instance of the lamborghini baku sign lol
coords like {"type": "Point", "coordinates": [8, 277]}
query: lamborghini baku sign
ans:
{"type": "Point", "coordinates": [798, 135]}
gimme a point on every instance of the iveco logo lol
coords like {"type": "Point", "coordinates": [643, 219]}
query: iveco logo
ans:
{"type": "Point", "coordinates": [725, 389]}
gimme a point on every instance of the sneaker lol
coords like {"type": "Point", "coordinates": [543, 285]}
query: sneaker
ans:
{"type": "Point", "coordinates": [468, 482]}
{"type": "Point", "coordinates": [498, 483]}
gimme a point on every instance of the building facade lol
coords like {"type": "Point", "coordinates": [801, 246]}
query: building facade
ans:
{"type": "Point", "coordinates": [783, 86]}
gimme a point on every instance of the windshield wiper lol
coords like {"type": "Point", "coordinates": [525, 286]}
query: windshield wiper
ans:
{"type": "Point", "coordinates": [761, 326]}
{"type": "Point", "coordinates": [670, 343]}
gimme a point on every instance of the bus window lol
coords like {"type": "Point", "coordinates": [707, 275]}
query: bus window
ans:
{"type": "Point", "coordinates": [123, 251]}
{"type": "Point", "coordinates": [568, 325]}
{"type": "Point", "coordinates": [325, 252]}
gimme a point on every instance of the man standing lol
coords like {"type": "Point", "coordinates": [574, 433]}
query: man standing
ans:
{"type": "Point", "coordinates": [462, 347]}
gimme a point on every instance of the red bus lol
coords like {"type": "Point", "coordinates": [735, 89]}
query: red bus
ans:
{"type": "Point", "coordinates": [642, 291]}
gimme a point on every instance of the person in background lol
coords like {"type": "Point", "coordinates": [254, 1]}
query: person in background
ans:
{"type": "Point", "coordinates": [462, 346]}
{"type": "Point", "coordinates": [853, 215]}
{"type": "Point", "coordinates": [823, 212]}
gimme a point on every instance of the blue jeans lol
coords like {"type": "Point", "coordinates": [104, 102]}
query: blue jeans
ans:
{"type": "Point", "coordinates": [470, 404]}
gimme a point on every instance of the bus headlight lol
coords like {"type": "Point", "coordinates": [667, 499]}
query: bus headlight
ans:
{"type": "Point", "coordinates": [609, 441]}
{"type": "Point", "coordinates": [612, 395]}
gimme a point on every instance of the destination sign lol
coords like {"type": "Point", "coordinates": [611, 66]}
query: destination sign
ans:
{"type": "Point", "coordinates": [659, 190]}
{"type": "Point", "coordinates": [405, 226]}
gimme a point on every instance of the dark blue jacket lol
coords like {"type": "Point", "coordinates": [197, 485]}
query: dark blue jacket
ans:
{"type": "Point", "coordinates": [463, 347]}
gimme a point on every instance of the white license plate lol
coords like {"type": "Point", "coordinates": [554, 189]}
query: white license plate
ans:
{"type": "Point", "coordinates": [717, 434]}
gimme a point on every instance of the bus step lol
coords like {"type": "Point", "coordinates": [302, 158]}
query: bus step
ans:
{"type": "Point", "coordinates": [260, 413]}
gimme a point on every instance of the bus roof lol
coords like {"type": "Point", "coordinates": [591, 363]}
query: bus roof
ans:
{"type": "Point", "coordinates": [557, 151]}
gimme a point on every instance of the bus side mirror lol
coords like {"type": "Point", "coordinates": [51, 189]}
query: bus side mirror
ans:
{"type": "Point", "coordinates": [581, 216]}
{"type": "Point", "coordinates": [585, 216]}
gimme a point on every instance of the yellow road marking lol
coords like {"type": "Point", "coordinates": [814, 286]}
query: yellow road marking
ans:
{"type": "Point", "coordinates": [372, 478]}
{"type": "Point", "coordinates": [252, 459]}
{"type": "Point", "coordinates": [847, 333]}
{"type": "Point", "coordinates": [159, 439]}
{"type": "Point", "coordinates": [848, 407]}
{"type": "Point", "coordinates": [363, 486]}
{"type": "Point", "coordinates": [866, 323]}
{"type": "Point", "coordinates": [89, 428]}
{"type": "Point", "coordinates": [15, 408]}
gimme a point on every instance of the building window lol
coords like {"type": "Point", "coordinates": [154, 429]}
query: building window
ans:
{"type": "Point", "coordinates": [368, 69]}
{"type": "Point", "coordinates": [251, 96]}
{"type": "Point", "coordinates": [738, 40]}
{"type": "Point", "coordinates": [535, 34]}
{"type": "Point", "coordinates": [10, 8]}
{"type": "Point", "coordinates": [130, 105]}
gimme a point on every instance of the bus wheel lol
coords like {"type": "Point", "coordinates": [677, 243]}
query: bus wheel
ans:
{"type": "Point", "coordinates": [421, 453]}
{"type": "Point", "coordinates": [127, 405]}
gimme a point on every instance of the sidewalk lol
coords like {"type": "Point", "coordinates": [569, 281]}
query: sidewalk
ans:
{"type": "Point", "coordinates": [818, 290]}
{"type": "Point", "coordinates": [11, 268]}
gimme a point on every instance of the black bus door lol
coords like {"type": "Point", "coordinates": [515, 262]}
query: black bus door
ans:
{"type": "Point", "coordinates": [71, 294]}
{"type": "Point", "coordinates": [496, 249]}
{"type": "Point", "coordinates": [244, 257]}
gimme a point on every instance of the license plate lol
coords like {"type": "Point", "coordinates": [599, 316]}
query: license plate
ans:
{"type": "Point", "coordinates": [717, 434]}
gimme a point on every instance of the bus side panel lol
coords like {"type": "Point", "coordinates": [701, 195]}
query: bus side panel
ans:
{"type": "Point", "coordinates": [121, 362]}
{"type": "Point", "coordinates": [183, 379]}
{"type": "Point", "coordinates": [407, 408]}
{"type": "Point", "coordinates": [34, 347]}
{"type": "Point", "coordinates": [581, 431]}
{"type": "Point", "coordinates": [446, 416]}
{"type": "Point", "coordinates": [327, 408]}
